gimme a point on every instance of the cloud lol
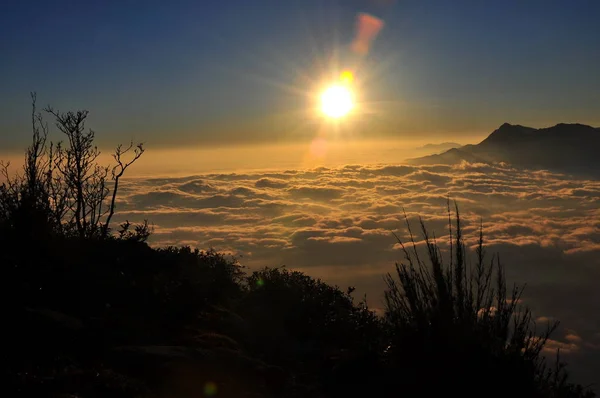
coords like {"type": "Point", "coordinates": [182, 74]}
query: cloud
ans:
{"type": "Point", "coordinates": [316, 193]}
{"type": "Point", "coordinates": [565, 347]}
{"type": "Point", "coordinates": [270, 183]}
{"type": "Point", "coordinates": [337, 224]}
{"type": "Point", "coordinates": [517, 207]}
{"type": "Point", "coordinates": [196, 186]}
{"type": "Point", "coordinates": [573, 338]}
{"type": "Point", "coordinates": [435, 178]}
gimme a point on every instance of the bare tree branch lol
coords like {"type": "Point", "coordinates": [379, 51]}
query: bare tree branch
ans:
{"type": "Point", "coordinates": [117, 173]}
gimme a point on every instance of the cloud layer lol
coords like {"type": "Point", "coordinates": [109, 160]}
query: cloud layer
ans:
{"type": "Point", "coordinates": [337, 223]}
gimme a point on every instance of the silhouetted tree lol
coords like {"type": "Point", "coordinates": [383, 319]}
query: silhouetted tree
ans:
{"type": "Point", "coordinates": [64, 183]}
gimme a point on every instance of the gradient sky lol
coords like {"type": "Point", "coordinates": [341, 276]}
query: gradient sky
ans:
{"type": "Point", "coordinates": [184, 73]}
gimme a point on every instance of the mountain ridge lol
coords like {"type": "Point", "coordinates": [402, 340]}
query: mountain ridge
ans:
{"type": "Point", "coordinates": [566, 147]}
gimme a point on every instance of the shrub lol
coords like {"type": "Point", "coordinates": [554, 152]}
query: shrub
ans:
{"type": "Point", "coordinates": [460, 327]}
{"type": "Point", "coordinates": [309, 327]}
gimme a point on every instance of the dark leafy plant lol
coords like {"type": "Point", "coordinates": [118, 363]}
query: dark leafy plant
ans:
{"type": "Point", "coordinates": [311, 328]}
{"type": "Point", "coordinates": [461, 325]}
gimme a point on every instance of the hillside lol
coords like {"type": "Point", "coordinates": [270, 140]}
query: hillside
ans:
{"type": "Point", "coordinates": [437, 148]}
{"type": "Point", "coordinates": [570, 148]}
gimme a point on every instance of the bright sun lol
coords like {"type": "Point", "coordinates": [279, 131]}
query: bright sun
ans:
{"type": "Point", "coordinates": [336, 101]}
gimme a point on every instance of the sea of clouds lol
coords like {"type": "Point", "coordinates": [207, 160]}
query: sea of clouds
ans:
{"type": "Point", "coordinates": [338, 224]}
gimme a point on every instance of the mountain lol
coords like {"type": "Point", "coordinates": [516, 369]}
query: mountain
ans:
{"type": "Point", "coordinates": [569, 148]}
{"type": "Point", "coordinates": [436, 148]}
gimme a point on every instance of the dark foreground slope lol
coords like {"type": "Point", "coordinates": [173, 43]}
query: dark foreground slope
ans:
{"type": "Point", "coordinates": [569, 148]}
{"type": "Point", "coordinates": [117, 318]}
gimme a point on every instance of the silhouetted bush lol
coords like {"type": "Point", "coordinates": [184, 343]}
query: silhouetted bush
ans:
{"type": "Point", "coordinates": [459, 325]}
{"type": "Point", "coordinates": [309, 327]}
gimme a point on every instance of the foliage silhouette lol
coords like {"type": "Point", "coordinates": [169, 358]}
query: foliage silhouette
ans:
{"type": "Point", "coordinates": [459, 325]}
{"type": "Point", "coordinates": [307, 326]}
{"type": "Point", "coordinates": [63, 188]}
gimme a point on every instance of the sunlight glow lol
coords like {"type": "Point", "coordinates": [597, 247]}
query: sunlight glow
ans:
{"type": "Point", "coordinates": [336, 101]}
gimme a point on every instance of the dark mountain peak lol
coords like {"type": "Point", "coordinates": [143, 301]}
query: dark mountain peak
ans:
{"type": "Point", "coordinates": [570, 128]}
{"type": "Point", "coordinates": [515, 134]}
{"type": "Point", "coordinates": [506, 134]}
{"type": "Point", "coordinates": [508, 126]}
{"type": "Point", "coordinates": [565, 147]}
{"type": "Point", "coordinates": [560, 125]}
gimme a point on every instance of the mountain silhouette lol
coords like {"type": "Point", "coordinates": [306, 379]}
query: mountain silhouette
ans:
{"type": "Point", "coordinates": [444, 146]}
{"type": "Point", "coordinates": [568, 148]}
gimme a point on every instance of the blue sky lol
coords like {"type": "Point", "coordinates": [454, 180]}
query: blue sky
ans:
{"type": "Point", "coordinates": [183, 73]}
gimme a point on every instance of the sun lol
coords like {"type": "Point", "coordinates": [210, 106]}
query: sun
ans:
{"type": "Point", "coordinates": [336, 101]}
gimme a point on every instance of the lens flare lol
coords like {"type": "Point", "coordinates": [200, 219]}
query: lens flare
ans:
{"type": "Point", "coordinates": [367, 29]}
{"type": "Point", "coordinates": [210, 389]}
{"type": "Point", "coordinates": [347, 77]}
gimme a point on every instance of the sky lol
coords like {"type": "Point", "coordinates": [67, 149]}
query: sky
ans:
{"type": "Point", "coordinates": [228, 73]}
{"type": "Point", "coordinates": [206, 84]}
